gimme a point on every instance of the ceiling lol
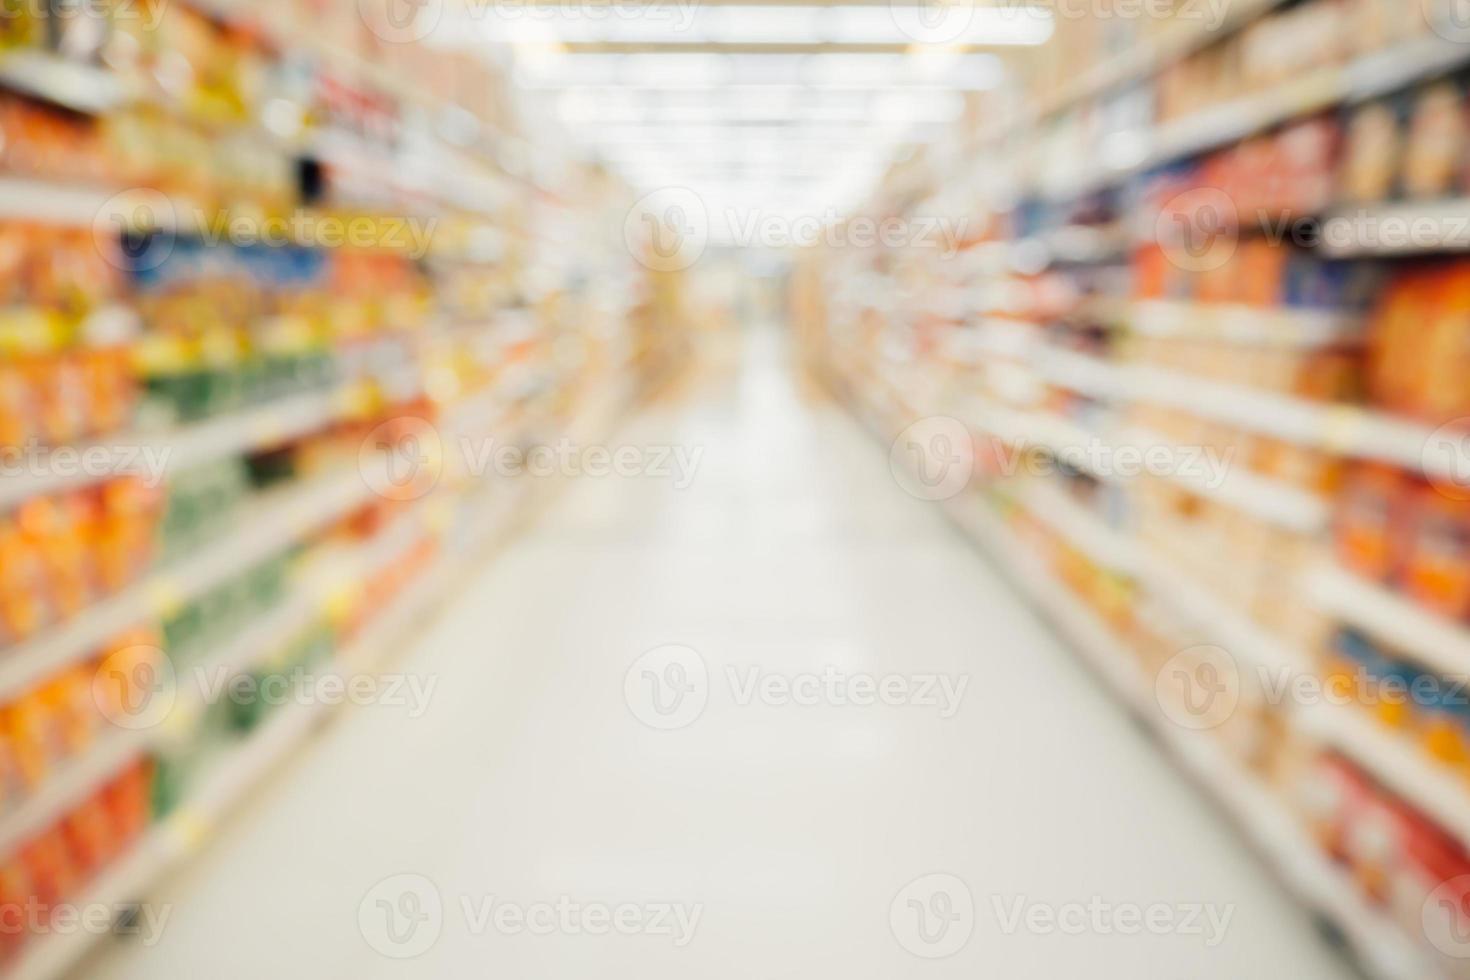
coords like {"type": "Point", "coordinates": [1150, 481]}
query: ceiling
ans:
{"type": "Point", "coordinates": [777, 107]}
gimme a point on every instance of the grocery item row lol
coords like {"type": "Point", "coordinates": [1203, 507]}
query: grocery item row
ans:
{"type": "Point", "coordinates": [1252, 67]}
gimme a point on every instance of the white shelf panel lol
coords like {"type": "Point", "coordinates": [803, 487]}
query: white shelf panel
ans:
{"type": "Point", "coordinates": [1438, 643]}
{"type": "Point", "coordinates": [52, 202]}
{"type": "Point", "coordinates": [1238, 324]}
{"type": "Point", "coordinates": [1392, 229]}
{"type": "Point", "coordinates": [1109, 548]}
{"type": "Point", "coordinates": [179, 449]}
{"type": "Point", "coordinates": [79, 87]}
{"type": "Point", "coordinates": [1342, 429]}
{"type": "Point", "coordinates": [1276, 503]}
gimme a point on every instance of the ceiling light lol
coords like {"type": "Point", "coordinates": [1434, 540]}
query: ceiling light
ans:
{"type": "Point", "coordinates": [684, 23]}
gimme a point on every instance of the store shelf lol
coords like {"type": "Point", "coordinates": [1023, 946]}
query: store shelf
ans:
{"type": "Point", "coordinates": [1436, 642]}
{"type": "Point", "coordinates": [1379, 944]}
{"type": "Point", "coordinates": [179, 449]}
{"type": "Point", "coordinates": [1238, 324]}
{"type": "Point", "coordinates": [1392, 229]}
{"type": "Point", "coordinates": [263, 528]}
{"type": "Point", "coordinates": [1277, 503]}
{"type": "Point", "coordinates": [1217, 620]}
{"type": "Point", "coordinates": [1065, 440]}
{"type": "Point", "coordinates": [1339, 429]}
{"type": "Point", "coordinates": [1150, 58]}
{"type": "Point", "coordinates": [1261, 818]}
{"type": "Point", "coordinates": [79, 778]}
{"type": "Point", "coordinates": [61, 81]}
{"type": "Point", "coordinates": [163, 848]}
{"type": "Point", "coordinates": [1269, 500]}
{"type": "Point", "coordinates": [231, 776]}
{"type": "Point", "coordinates": [1404, 767]}
{"type": "Point", "coordinates": [52, 202]}
{"type": "Point", "coordinates": [1365, 78]}
{"type": "Point", "coordinates": [1106, 546]}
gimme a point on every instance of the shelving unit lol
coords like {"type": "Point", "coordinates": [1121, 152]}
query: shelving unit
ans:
{"type": "Point", "coordinates": [240, 769]}
{"type": "Point", "coordinates": [1435, 788]}
{"type": "Point", "coordinates": [1270, 500]}
{"type": "Point", "coordinates": [264, 529]}
{"type": "Point", "coordinates": [1366, 78]}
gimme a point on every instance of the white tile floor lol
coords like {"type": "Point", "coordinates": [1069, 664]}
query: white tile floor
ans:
{"type": "Point", "coordinates": [794, 828]}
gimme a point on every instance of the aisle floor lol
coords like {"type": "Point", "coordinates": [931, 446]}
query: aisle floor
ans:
{"type": "Point", "coordinates": [791, 831]}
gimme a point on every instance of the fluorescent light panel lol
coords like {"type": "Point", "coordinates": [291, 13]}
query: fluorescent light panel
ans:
{"type": "Point", "coordinates": [616, 107]}
{"type": "Point", "coordinates": [972, 72]}
{"type": "Point", "coordinates": [693, 23]}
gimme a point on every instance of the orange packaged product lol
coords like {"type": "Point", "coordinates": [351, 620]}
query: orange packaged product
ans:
{"type": "Point", "coordinates": [25, 603]}
{"type": "Point", "coordinates": [15, 902]}
{"type": "Point", "coordinates": [124, 663]}
{"type": "Point", "coordinates": [69, 700]}
{"type": "Point", "coordinates": [1152, 274]}
{"type": "Point", "coordinates": [1217, 283]}
{"type": "Point", "coordinates": [1367, 521]}
{"type": "Point", "coordinates": [60, 392]}
{"type": "Point", "coordinates": [1262, 275]}
{"type": "Point", "coordinates": [89, 836]}
{"type": "Point", "coordinates": [49, 865]}
{"type": "Point", "coordinates": [1436, 568]}
{"type": "Point", "coordinates": [53, 530]}
{"type": "Point", "coordinates": [130, 511]}
{"type": "Point", "coordinates": [1441, 377]}
{"type": "Point", "coordinates": [127, 801]}
{"type": "Point", "coordinates": [29, 727]}
{"type": "Point", "coordinates": [18, 412]}
{"type": "Point", "coordinates": [1397, 343]}
{"type": "Point", "coordinates": [111, 394]}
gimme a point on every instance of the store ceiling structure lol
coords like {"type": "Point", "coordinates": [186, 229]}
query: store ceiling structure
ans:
{"type": "Point", "coordinates": [762, 106]}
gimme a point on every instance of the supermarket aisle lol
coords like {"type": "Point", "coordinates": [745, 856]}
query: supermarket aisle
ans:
{"type": "Point", "coordinates": [779, 835]}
